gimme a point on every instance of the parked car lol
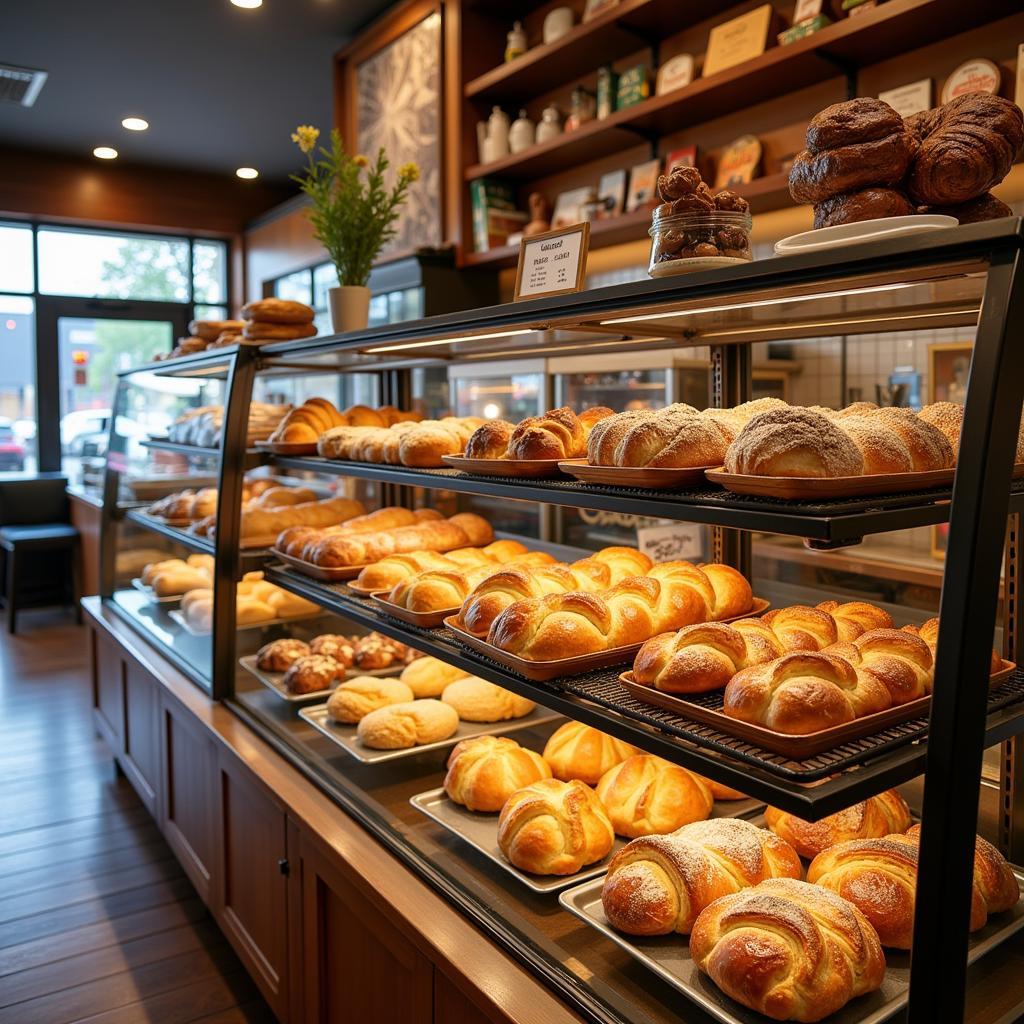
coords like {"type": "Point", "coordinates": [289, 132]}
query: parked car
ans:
{"type": "Point", "coordinates": [12, 451]}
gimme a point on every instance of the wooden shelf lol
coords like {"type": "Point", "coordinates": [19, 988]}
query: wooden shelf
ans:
{"type": "Point", "coordinates": [888, 30]}
{"type": "Point", "coordinates": [626, 28]}
{"type": "Point", "coordinates": [768, 193]}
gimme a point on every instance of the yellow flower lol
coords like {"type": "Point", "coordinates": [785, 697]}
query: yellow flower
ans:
{"type": "Point", "coordinates": [410, 172]}
{"type": "Point", "coordinates": [359, 160]}
{"type": "Point", "coordinates": [305, 136]}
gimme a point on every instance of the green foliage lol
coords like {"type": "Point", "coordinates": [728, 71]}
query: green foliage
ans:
{"type": "Point", "coordinates": [352, 212]}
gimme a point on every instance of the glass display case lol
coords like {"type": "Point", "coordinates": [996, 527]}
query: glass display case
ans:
{"type": "Point", "coordinates": [965, 280]}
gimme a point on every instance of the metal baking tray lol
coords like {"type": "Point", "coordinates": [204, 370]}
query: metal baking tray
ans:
{"type": "Point", "coordinates": [480, 830]}
{"type": "Point", "coordinates": [668, 956]}
{"type": "Point", "coordinates": [275, 680]}
{"type": "Point", "coordinates": [345, 735]}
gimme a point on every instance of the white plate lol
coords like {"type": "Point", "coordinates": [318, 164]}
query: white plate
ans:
{"type": "Point", "coordinates": [669, 268]}
{"type": "Point", "coordinates": [862, 231]}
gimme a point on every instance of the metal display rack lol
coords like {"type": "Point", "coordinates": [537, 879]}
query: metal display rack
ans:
{"type": "Point", "coordinates": [965, 277]}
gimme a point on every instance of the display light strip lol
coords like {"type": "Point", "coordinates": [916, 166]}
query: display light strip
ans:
{"type": "Point", "coordinates": [402, 346]}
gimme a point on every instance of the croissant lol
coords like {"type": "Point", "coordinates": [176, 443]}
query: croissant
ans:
{"type": "Point", "coordinates": [632, 611]}
{"type": "Point", "coordinates": [307, 422]}
{"type": "Point", "coordinates": [788, 949]}
{"type": "Point", "coordinates": [606, 435]}
{"type": "Point", "coordinates": [659, 884]}
{"type": "Point", "coordinates": [873, 818]}
{"type": "Point", "coordinates": [459, 531]}
{"type": "Point", "coordinates": [558, 434]}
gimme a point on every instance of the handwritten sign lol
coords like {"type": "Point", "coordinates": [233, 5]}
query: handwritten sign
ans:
{"type": "Point", "coordinates": [672, 541]}
{"type": "Point", "coordinates": [554, 263]}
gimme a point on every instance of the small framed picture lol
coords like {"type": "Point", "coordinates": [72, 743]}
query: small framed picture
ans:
{"type": "Point", "coordinates": [612, 192]}
{"type": "Point", "coordinates": [643, 183]}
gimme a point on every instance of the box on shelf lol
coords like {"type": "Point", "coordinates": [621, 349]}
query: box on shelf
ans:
{"type": "Point", "coordinates": [739, 40]}
{"type": "Point", "coordinates": [495, 215]}
{"type": "Point", "coordinates": [909, 99]}
{"type": "Point", "coordinates": [805, 28]}
{"type": "Point", "coordinates": [634, 86]}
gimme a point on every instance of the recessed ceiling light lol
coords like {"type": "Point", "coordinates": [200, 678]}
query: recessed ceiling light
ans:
{"type": "Point", "coordinates": [247, 172]}
{"type": "Point", "coordinates": [105, 153]}
{"type": "Point", "coordinates": [135, 124]}
{"type": "Point", "coordinates": [248, 4]}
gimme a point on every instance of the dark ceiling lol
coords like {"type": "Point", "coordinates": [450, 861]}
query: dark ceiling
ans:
{"type": "Point", "coordinates": [221, 87]}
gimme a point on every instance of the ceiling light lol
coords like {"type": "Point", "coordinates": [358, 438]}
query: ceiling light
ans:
{"type": "Point", "coordinates": [248, 173]}
{"type": "Point", "coordinates": [249, 5]}
{"type": "Point", "coordinates": [105, 153]}
{"type": "Point", "coordinates": [135, 124]}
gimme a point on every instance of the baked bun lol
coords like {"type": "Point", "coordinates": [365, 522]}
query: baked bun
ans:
{"type": "Point", "coordinates": [558, 434]}
{"type": "Point", "coordinates": [863, 119]}
{"type": "Point", "coordinates": [211, 330]}
{"type": "Point", "coordinates": [428, 677]}
{"type": "Point", "coordinates": [658, 884]}
{"type": "Point", "coordinates": [672, 441]}
{"type": "Point", "coordinates": [984, 207]}
{"type": "Point", "coordinates": [410, 724]}
{"type": "Point", "coordinates": [873, 818]}
{"type": "Point", "coordinates": [277, 311]}
{"type": "Point", "coordinates": [793, 442]}
{"type": "Point", "coordinates": [490, 441]}
{"type": "Point", "coordinates": [554, 828]}
{"type": "Point", "coordinates": [867, 204]}
{"type": "Point", "coordinates": [258, 330]}
{"type": "Point", "coordinates": [947, 417]}
{"type": "Point", "coordinates": [356, 698]}
{"type": "Point", "coordinates": [851, 168]}
{"type": "Point", "coordinates": [484, 771]}
{"type": "Point", "coordinates": [788, 950]}
{"type": "Point", "coordinates": [968, 147]}
{"type": "Point", "coordinates": [646, 795]}
{"type": "Point", "coordinates": [331, 645]}
{"type": "Point", "coordinates": [280, 655]}
{"type": "Point", "coordinates": [311, 673]}
{"type": "Point", "coordinates": [929, 449]}
{"type": "Point", "coordinates": [476, 700]}
{"type": "Point", "coordinates": [577, 751]}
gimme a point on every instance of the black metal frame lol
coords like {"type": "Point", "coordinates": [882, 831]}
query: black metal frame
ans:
{"type": "Point", "coordinates": [982, 499]}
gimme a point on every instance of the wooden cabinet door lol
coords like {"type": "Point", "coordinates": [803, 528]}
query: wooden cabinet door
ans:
{"type": "Point", "coordinates": [359, 967]}
{"type": "Point", "coordinates": [453, 1006]}
{"type": "Point", "coordinates": [187, 815]}
{"type": "Point", "coordinates": [108, 690]}
{"type": "Point", "coordinates": [252, 905]}
{"type": "Point", "coordinates": [141, 760]}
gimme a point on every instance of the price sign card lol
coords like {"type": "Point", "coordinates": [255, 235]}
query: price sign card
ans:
{"type": "Point", "coordinates": [671, 541]}
{"type": "Point", "coordinates": [554, 263]}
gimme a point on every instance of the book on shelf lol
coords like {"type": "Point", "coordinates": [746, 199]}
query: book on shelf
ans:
{"type": "Point", "coordinates": [495, 215]}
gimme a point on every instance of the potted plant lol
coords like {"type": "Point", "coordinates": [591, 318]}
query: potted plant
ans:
{"type": "Point", "coordinates": [353, 214]}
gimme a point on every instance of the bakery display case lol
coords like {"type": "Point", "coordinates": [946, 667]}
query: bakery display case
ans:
{"type": "Point", "coordinates": [557, 925]}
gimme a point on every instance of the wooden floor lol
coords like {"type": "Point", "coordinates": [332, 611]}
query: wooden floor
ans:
{"type": "Point", "coordinates": [97, 921]}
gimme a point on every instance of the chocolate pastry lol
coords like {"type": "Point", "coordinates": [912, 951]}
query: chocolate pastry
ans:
{"type": "Point", "coordinates": [815, 177]}
{"type": "Point", "coordinates": [970, 149]}
{"type": "Point", "coordinates": [924, 122]}
{"type": "Point", "coordinates": [694, 202]}
{"type": "Point", "coordinates": [680, 181]}
{"type": "Point", "coordinates": [844, 124]}
{"type": "Point", "coordinates": [726, 200]}
{"type": "Point", "coordinates": [865, 205]}
{"type": "Point", "coordinates": [985, 207]}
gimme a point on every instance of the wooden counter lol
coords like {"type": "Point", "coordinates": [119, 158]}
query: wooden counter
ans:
{"type": "Point", "coordinates": [86, 515]}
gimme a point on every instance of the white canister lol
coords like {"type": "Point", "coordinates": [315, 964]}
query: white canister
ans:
{"type": "Point", "coordinates": [550, 124]}
{"type": "Point", "coordinates": [558, 23]}
{"type": "Point", "coordinates": [523, 133]}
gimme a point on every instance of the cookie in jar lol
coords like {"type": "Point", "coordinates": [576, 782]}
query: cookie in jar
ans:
{"type": "Point", "coordinates": [694, 228]}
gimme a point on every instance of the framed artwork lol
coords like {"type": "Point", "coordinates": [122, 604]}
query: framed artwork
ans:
{"type": "Point", "coordinates": [948, 367]}
{"type": "Point", "coordinates": [390, 94]}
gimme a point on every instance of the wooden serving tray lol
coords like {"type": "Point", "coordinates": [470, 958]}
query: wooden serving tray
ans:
{"type": "Point", "coordinates": [532, 468]}
{"type": "Point", "coordinates": [287, 447]}
{"type": "Point", "coordinates": [809, 488]}
{"type": "Point", "coordinates": [329, 574]}
{"type": "Point", "coordinates": [795, 747]}
{"type": "Point", "coordinates": [425, 619]}
{"type": "Point", "coordinates": [636, 476]}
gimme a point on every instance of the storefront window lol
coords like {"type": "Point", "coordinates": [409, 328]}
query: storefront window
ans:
{"type": "Point", "coordinates": [17, 382]}
{"type": "Point", "coordinates": [102, 265]}
{"type": "Point", "coordinates": [209, 274]}
{"type": "Point", "coordinates": [298, 287]}
{"type": "Point", "coordinates": [16, 272]}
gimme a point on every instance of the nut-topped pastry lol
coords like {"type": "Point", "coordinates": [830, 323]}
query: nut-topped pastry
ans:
{"type": "Point", "coordinates": [331, 645]}
{"type": "Point", "coordinates": [280, 655]}
{"type": "Point", "coordinates": [311, 673]}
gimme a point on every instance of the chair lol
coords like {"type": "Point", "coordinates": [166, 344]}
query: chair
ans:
{"type": "Point", "coordinates": [36, 532]}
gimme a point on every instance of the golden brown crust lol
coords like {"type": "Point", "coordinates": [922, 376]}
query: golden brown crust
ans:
{"type": "Point", "coordinates": [484, 771]}
{"type": "Point", "coordinates": [356, 698]}
{"type": "Point", "coordinates": [490, 441]}
{"type": "Point", "coordinates": [787, 949]}
{"type": "Point", "coordinates": [310, 673]}
{"type": "Point", "coordinates": [264, 330]}
{"type": "Point", "coordinates": [277, 311]}
{"type": "Point", "coordinates": [280, 655]}
{"type": "Point", "coordinates": [868, 204]}
{"type": "Point", "coordinates": [578, 751]}
{"type": "Point", "coordinates": [863, 119]}
{"type": "Point", "coordinates": [211, 330]}
{"type": "Point", "coordinates": [928, 446]}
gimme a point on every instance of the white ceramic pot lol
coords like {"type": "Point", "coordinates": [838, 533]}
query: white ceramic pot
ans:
{"type": "Point", "coordinates": [558, 23]}
{"type": "Point", "coordinates": [350, 307]}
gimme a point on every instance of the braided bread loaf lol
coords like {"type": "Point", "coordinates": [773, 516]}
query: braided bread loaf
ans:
{"type": "Point", "coordinates": [705, 657]}
{"type": "Point", "coordinates": [787, 949]}
{"type": "Point", "coordinates": [928, 631]}
{"type": "Point", "coordinates": [675, 594]}
{"type": "Point", "coordinates": [659, 884]}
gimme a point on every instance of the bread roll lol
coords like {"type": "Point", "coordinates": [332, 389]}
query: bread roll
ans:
{"type": "Point", "coordinates": [578, 751]}
{"type": "Point", "coordinates": [646, 795]}
{"type": "Point", "coordinates": [490, 441]}
{"type": "Point", "coordinates": [678, 441]}
{"type": "Point", "coordinates": [870, 819]}
{"type": "Point", "coordinates": [356, 698]}
{"type": "Point", "coordinates": [428, 677]}
{"type": "Point", "coordinates": [280, 655]}
{"type": "Point", "coordinates": [311, 673]}
{"type": "Point", "coordinates": [659, 884]}
{"type": "Point", "coordinates": [484, 771]}
{"type": "Point", "coordinates": [928, 446]}
{"type": "Point", "coordinates": [787, 949]}
{"type": "Point", "coordinates": [258, 522]}
{"type": "Point", "coordinates": [411, 724]}
{"type": "Point", "coordinates": [554, 828]}
{"type": "Point", "coordinates": [170, 581]}
{"type": "Point", "coordinates": [333, 645]}
{"type": "Point", "coordinates": [477, 700]}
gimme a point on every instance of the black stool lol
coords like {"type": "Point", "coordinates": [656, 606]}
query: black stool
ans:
{"type": "Point", "coordinates": [36, 529]}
